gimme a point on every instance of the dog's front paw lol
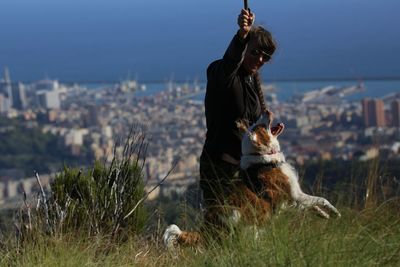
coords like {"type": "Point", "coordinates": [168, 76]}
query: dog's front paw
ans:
{"type": "Point", "coordinates": [321, 212]}
{"type": "Point", "coordinates": [318, 204]}
{"type": "Point", "coordinates": [325, 204]}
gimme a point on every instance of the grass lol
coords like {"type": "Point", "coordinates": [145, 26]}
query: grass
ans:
{"type": "Point", "coordinates": [368, 234]}
{"type": "Point", "coordinates": [360, 238]}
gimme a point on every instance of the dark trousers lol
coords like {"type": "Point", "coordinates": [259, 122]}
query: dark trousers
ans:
{"type": "Point", "coordinates": [216, 181]}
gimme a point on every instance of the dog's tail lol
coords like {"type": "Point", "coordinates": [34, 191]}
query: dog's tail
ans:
{"type": "Point", "coordinates": [174, 236]}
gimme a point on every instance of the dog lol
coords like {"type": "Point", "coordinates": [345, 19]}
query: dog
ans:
{"type": "Point", "coordinates": [267, 182]}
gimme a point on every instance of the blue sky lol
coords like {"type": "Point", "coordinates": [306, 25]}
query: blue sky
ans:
{"type": "Point", "coordinates": [154, 39]}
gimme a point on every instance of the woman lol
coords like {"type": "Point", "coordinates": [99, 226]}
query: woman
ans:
{"type": "Point", "coordinates": [233, 93]}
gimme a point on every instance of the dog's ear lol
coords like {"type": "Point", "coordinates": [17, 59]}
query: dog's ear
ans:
{"type": "Point", "coordinates": [242, 125]}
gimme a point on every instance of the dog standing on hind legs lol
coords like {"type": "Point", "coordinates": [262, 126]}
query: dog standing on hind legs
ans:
{"type": "Point", "coordinates": [267, 181]}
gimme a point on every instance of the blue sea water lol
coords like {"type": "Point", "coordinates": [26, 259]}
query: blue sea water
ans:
{"type": "Point", "coordinates": [285, 90]}
{"type": "Point", "coordinates": [373, 89]}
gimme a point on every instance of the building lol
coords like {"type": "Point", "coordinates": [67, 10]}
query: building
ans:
{"type": "Point", "coordinates": [13, 94]}
{"type": "Point", "coordinates": [373, 112]}
{"type": "Point", "coordinates": [6, 90]}
{"type": "Point", "coordinates": [19, 100]}
{"type": "Point", "coordinates": [92, 117]}
{"type": "Point", "coordinates": [395, 111]}
{"type": "Point", "coordinates": [3, 104]}
{"type": "Point", "coordinates": [74, 140]}
{"type": "Point", "coordinates": [49, 99]}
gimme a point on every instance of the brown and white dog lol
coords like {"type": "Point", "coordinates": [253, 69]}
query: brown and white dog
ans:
{"type": "Point", "coordinates": [267, 181]}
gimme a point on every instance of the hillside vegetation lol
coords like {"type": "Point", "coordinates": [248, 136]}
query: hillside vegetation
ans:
{"type": "Point", "coordinates": [367, 238]}
{"type": "Point", "coordinates": [99, 217]}
{"type": "Point", "coordinates": [27, 149]}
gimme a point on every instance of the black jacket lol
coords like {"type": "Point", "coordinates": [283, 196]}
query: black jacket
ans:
{"type": "Point", "coordinates": [231, 95]}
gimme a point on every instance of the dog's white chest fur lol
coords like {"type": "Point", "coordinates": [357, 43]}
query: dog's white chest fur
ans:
{"type": "Point", "coordinates": [248, 160]}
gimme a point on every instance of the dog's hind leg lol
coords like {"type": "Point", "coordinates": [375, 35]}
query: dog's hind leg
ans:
{"type": "Point", "coordinates": [173, 236]}
{"type": "Point", "coordinates": [190, 238]}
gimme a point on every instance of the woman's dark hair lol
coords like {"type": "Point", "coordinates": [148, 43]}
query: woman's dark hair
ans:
{"type": "Point", "coordinates": [264, 41]}
{"type": "Point", "coordinates": [260, 94]}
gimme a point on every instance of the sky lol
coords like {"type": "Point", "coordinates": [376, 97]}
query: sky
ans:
{"type": "Point", "coordinates": [154, 40]}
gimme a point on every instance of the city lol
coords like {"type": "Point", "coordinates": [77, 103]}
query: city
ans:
{"type": "Point", "coordinates": [87, 122]}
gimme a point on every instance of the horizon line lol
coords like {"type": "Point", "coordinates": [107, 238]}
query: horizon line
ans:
{"type": "Point", "coordinates": [181, 81]}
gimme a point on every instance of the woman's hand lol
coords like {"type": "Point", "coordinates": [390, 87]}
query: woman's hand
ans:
{"type": "Point", "coordinates": [245, 21]}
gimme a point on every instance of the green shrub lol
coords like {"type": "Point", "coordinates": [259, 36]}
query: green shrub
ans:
{"type": "Point", "coordinates": [99, 199]}
{"type": "Point", "coordinates": [105, 200]}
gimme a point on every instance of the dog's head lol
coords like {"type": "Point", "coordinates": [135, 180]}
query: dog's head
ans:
{"type": "Point", "coordinates": [261, 138]}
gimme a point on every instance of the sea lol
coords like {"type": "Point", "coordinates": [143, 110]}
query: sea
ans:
{"type": "Point", "coordinates": [285, 90]}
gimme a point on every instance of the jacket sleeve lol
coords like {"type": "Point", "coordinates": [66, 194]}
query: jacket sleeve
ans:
{"type": "Point", "coordinates": [226, 69]}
